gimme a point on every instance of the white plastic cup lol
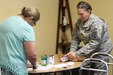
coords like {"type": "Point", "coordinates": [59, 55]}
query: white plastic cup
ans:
{"type": "Point", "coordinates": [50, 60]}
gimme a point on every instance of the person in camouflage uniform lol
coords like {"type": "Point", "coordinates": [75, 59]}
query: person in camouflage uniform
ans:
{"type": "Point", "coordinates": [92, 31]}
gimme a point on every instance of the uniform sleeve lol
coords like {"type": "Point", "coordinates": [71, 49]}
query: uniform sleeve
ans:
{"type": "Point", "coordinates": [95, 38]}
{"type": "Point", "coordinates": [75, 40]}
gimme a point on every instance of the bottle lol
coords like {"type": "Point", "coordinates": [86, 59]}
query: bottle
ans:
{"type": "Point", "coordinates": [44, 60]}
{"type": "Point", "coordinates": [64, 21]}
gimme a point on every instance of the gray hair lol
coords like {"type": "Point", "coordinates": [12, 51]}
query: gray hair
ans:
{"type": "Point", "coordinates": [31, 12]}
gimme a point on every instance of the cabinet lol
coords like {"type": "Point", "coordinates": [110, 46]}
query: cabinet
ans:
{"type": "Point", "coordinates": [64, 23]}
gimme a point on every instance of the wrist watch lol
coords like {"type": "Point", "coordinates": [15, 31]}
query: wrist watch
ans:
{"type": "Point", "coordinates": [34, 67]}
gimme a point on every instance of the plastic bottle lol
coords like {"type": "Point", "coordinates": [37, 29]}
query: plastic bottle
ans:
{"type": "Point", "coordinates": [44, 60]}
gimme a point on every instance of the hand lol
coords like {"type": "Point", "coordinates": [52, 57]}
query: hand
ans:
{"type": "Point", "coordinates": [72, 55]}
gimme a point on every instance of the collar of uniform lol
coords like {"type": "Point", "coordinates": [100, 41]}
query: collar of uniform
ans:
{"type": "Point", "coordinates": [89, 21]}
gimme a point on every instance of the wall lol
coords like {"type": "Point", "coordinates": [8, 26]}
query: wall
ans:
{"type": "Point", "coordinates": [47, 26]}
{"type": "Point", "coordinates": [46, 29]}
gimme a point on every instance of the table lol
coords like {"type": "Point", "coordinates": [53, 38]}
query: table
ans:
{"type": "Point", "coordinates": [73, 65]}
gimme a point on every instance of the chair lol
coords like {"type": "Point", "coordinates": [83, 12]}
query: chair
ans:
{"type": "Point", "coordinates": [87, 69]}
{"type": "Point", "coordinates": [110, 63]}
{"type": "Point", "coordinates": [87, 64]}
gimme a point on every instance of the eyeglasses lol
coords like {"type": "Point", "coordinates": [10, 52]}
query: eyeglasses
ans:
{"type": "Point", "coordinates": [34, 21]}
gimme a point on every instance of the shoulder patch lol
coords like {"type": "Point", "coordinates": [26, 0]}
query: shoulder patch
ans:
{"type": "Point", "coordinates": [94, 35]}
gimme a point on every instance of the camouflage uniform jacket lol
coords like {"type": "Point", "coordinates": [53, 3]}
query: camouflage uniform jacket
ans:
{"type": "Point", "coordinates": [93, 33]}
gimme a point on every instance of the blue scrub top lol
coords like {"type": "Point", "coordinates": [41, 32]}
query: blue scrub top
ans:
{"type": "Point", "coordinates": [14, 31]}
